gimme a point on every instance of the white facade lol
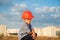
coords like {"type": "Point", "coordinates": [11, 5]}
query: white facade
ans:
{"type": "Point", "coordinates": [12, 31]}
{"type": "Point", "coordinates": [58, 29]}
{"type": "Point", "coordinates": [38, 31]}
{"type": "Point", "coordinates": [3, 29]}
{"type": "Point", "coordinates": [49, 31]}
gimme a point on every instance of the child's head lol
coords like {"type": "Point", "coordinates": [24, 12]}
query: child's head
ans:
{"type": "Point", "coordinates": [27, 16]}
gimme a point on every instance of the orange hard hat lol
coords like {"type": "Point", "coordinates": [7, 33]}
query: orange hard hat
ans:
{"type": "Point", "coordinates": [27, 14]}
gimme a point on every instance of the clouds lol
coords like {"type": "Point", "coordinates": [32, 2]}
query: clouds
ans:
{"type": "Point", "coordinates": [18, 8]}
{"type": "Point", "coordinates": [11, 21]}
{"type": "Point", "coordinates": [47, 9]}
{"type": "Point", "coordinates": [34, 5]}
{"type": "Point", "coordinates": [2, 17]}
{"type": "Point", "coordinates": [55, 15]}
{"type": "Point", "coordinates": [13, 18]}
{"type": "Point", "coordinates": [48, 12]}
{"type": "Point", "coordinates": [45, 14]}
{"type": "Point", "coordinates": [23, 5]}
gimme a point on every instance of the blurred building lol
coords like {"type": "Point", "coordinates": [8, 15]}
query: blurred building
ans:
{"type": "Point", "coordinates": [49, 31]}
{"type": "Point", "coordinates": [3, 30]}
{"type": "Point", "coordinates": [12, 32]}
{"type": "Point", "coordinates": [58, 31]}
{"type": "Point", "coordinates": [38, 31]}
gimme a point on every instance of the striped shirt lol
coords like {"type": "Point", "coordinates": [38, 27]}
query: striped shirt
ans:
{"type": "Point", "coordinates": [24, 29]}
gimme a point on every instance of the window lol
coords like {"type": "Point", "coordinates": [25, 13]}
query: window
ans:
{"type": "Point", "coordinates": [58, 33]}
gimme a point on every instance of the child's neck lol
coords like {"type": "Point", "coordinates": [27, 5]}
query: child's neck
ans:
{"type": "Point", "coordinates": [27, 23]}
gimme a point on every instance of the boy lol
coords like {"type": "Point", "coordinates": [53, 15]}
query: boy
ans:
{"type": "Point", "coordinates": [26, 31]}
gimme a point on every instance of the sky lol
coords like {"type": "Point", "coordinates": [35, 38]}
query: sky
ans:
{"type": "Point", "coordinates": [46, 12]}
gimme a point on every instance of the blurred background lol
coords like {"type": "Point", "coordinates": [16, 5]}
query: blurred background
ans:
{"type": "Point", "coordinates": [45, 23]}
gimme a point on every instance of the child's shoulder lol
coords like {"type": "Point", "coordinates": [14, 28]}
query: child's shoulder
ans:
{"type": "Point", "coordinates": [23, 24]}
